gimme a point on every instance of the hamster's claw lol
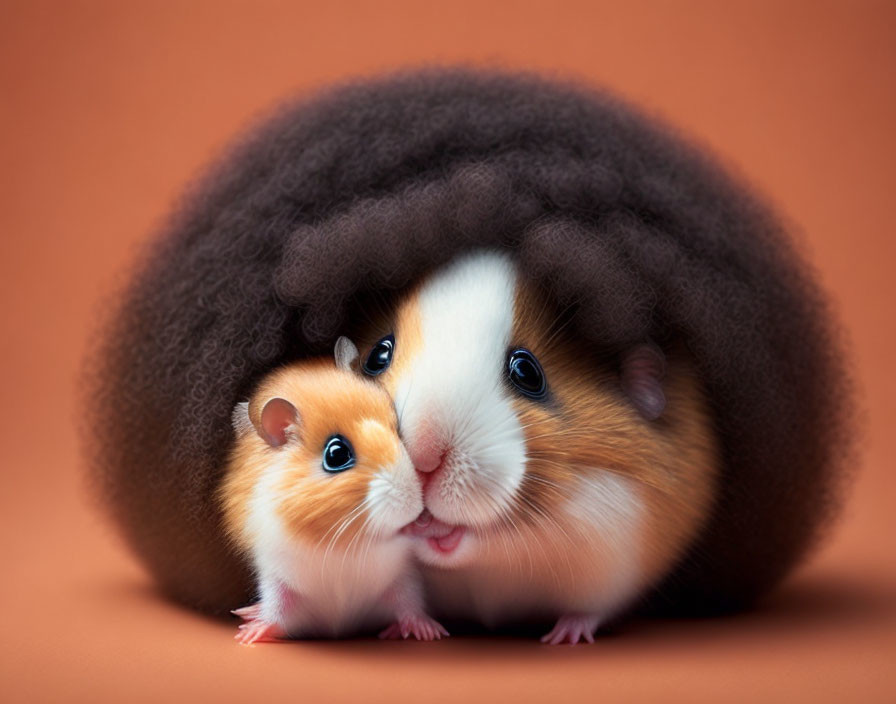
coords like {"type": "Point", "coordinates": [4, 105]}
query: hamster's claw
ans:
{"type": "Point", "coordinates": [255, 629]}
{"type": "Point", "coordinates": [421, 626]}
{"type": "Point", "coordinates": [248, 613]}
{"type": "Point", "coordinates": [259, 632]}
{"type": "Point", "coordinates": [572, 629]}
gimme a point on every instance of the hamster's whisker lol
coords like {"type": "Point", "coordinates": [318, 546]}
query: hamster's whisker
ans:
{"type": "Point", "coordinates": [367, 536]}
{"type": "Point", "coordinates": [404, 401]}
{"type": "Point", "coordinates": [351, 518]}
{"type": "Point", "coordinates": [338, 526]}
{"type": "Point", "coordinates": [560, 489]}
{"type": "Point", "coordinates": [489, 497]}
{"type": "Point", "coordinates": [361, 531]}
{"type": "Point", "coordinates": [502, 539]}
{"type": "Point", "coordinates": [541, 512]}
{"type": "Point", "coordinates": [510, 532]}
{"type": "Point", "coordinates": [469, 426]}
{"type": "Point", "coordinates": [503, 517]}
{"type": "Point", "coordinates": [508, 431]}
{"type": "Point", "coordinates": [544, 541]}
{"type": "Point", "coordinates": [563, 325]}
{"type": "Point", "coordinates": [526, 426]}
{"type": "Point", "coordinates": [335, 526]}
{"type": "Point", "coordinates": [564, 434]}
{"type": "Point", "coordinates": [538, 537]}
{"type": "Point", "coordinates": [560, 528]}
{"type": "Point", "coordinates": [509, 539]}
{"type": "Point", "coordinates": [656, 486]}
{"type": "Point", "coordinates": [559, 320]}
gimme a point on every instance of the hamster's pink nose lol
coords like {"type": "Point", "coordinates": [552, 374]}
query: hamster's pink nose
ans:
{"type": "Point", "coordinates": [427, 464]}
{"type": "Point", "coordinates": [427, 449]}
{"type": "Point", "coordinates": [428, 461]}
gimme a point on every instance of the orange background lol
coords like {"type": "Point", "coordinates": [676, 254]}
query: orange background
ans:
{"type": "Point", "coordinates": [108, 108]}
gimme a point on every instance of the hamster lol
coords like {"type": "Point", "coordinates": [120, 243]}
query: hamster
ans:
{"type": "Point", "coordinates": [317, 490]}
{"type": "Point", "coordinates": [555, 487]}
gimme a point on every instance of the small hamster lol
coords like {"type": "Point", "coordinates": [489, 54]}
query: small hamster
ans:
{"type": "Point", "coordinates": [556, 486]}
{"type": "Point", "coordinates": [317, 490]}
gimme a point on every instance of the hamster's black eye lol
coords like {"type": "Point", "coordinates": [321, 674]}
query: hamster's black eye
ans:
{"type": "Point", "coordinates": [338, 454]}
{"type": "Point", "coordinates": [380, 356]}
{"type": "Point", "coordinates": [525, 373]}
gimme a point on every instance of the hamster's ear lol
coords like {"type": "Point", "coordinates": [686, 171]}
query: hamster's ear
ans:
{"type": "Point", "coordinates": [643, 370]}
{"type": "Point", "coordinates": [276, 417]}
{"type": "Point", "coordinates": [345, 353]}
{"type": "Point", "coordinates": [240, 419]}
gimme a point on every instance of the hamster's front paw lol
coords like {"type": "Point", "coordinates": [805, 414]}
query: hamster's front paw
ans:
{"type": "Point", "coordinates": [421, 626]}
{"type": "Point", "coordinates": [571, 629]}
{"type": "Point", "coordinates": [256, 629]}
{"type": "Point", "coordinates": [260, 632]}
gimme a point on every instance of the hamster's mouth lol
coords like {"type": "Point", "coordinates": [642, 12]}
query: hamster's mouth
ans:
{"type": "Point", "coordinates": [441, 537]}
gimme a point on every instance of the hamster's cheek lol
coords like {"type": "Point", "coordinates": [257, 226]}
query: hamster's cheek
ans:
{"type": "Point", "coordinates": [322, 508]}
{"type": "Point", "coordinates": [394, 500]}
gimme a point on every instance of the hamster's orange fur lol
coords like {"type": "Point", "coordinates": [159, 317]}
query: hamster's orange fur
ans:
{"type": "Point", "coordinates": [309, 501]}
{"type": "Point", "coordinates": [588, 425]}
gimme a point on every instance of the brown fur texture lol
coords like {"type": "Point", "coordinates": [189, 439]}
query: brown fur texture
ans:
{"type": "Point", "coordinates": [324, 213]}
{"type": "Point", "coordinates": [587, 425]}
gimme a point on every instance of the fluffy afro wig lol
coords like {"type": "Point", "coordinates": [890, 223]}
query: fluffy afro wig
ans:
{"type": "Point", "coordinates": [357, 192]}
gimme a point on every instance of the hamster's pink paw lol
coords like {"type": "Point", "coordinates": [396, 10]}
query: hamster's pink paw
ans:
{"type": "Point", "coordinates": [571, 629]}
{"type": "Point", "coordinates": [421, 626]}
{"type": "Point", "coordinates": [257, 631]}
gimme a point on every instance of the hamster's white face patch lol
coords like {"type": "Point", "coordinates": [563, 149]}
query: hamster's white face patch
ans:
{"type": "Point", "coordinates": [453, 406]}
{"type": "Point", "coordinates": [393, 497]}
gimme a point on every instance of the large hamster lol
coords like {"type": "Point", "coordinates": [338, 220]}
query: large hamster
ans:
{"type": "Point", "coordinates": [554, 487]}
{"type": "Point", "coordinates": [316, 492]}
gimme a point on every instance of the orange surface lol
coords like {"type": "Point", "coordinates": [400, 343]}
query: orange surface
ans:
{"type": "Point", "coordinates": [108, 108]}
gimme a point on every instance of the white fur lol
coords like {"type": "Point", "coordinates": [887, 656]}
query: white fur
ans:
{"type": "Point", "coordinates": [455, 390]}
{"type": "Point", "coordinates": [393, 497]}
{"type": "Point", "coordinates": [608, 506]}
{"type": "Point", "coordinates": [339, 590]}
{"type": "Point", "coordinates": [585, 560]}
